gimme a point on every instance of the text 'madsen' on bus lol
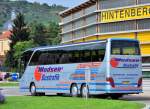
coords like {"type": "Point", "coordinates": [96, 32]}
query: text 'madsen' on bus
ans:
{"type": "Point", "coordinates": [114, 66]}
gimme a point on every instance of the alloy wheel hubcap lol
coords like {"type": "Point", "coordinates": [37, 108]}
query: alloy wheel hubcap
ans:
{"type": "Point", "coordinates": [74, 91]}
{"type": "Point", "coordinates": [33, 89]}
{"type": "Point", "coordinates": [84, 91]}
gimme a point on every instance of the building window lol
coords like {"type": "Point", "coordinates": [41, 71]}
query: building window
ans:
{"type": "Point", "coordinates": [143, 24]}
{"type": "Point", "coordinates": [106, 4]}
{"type": "Point", "coordinates": [146, 60]}
{"type": "Point", "coordinates": [90, 30]}
{"type": "Point", "coordinates": [90, 9]}
{"type": "Point", "coordinates": [90, 19]}
{"type": "Point", "coordinates": [117, 26]}
{"type": "Point", "coordinates": [143, 1]}
{"type": "Point", "coordinates": [146, 74]}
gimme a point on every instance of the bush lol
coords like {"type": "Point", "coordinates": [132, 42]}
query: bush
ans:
{"type": "Point", "coordinates": [2, 99]}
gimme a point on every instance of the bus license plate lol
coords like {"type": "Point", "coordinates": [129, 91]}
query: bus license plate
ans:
{"type": "Point", "coordinates": [125, 82]}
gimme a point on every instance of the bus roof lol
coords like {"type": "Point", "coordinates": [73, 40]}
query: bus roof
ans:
{"type": "Point", "coordinates": [64, 45]}
{"type": "Point", "coordinates": [81, 43]}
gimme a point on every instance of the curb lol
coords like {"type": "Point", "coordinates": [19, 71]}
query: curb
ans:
{"type": "Point", "coordinates": [9, 87]}
{"type": "Point", "coordinates": [147, 107]}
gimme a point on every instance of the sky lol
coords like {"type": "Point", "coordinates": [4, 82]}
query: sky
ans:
{"type": "Point", "coordinates": [66, 3]}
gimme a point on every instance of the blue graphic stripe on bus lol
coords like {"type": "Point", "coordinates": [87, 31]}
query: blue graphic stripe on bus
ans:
{"type": "Point", "coordinates": [62, 84]}
{"type": "Point", "coordinates": [126, 84]}
{"type": "Point", "coordinates": [24, 88]}
{"type": "Point", "coordinates": [91, 69]}
{"type": "Point", "coordinates": [102, 83]}
{"type": "Point", "coordinates": [115, 84]}
{"type": "Point", "coordinates": [52, 89]}
{"type": "Point", "coordinates": [81, 78]}
{"type": "Point", "coordinates": [78, 78]}
{"type": "Point", "coordinates": [128, 67]}
{"type": "Point", "coordinates": [116, 90]}
{"type": "Point", "coordinates": [79, 72]}
{"type": "Point", "coordinates": [98, 83]}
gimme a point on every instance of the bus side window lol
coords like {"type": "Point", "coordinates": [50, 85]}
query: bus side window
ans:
{"type": "Point", "coordinates": [87, 56]}
{"type": "Point", "coordinates": [47, 58]}
{"type": "Point", "coordinates": [52, 58]}
{"type": "Point", "coordinates": [57, 58]}
{"type": "Point", "coordinates": [75, 57]}
{"type": "Point", "coordinates": [42, 59]}
{"type": "Point", "coordinates": [64, 59]}
{"type": "Point", "coordinates": [61, 59]}
{"type": "Point", "coordinates": [95, 56]}
{"type": "Point", "coordinates": [101, 54]}
{"type": "Point", "coordinates": [69, 57]}
{"type": "Point", "coordinates": [98, 55]}
{"type": "Point", "coordinates": [116, 51]}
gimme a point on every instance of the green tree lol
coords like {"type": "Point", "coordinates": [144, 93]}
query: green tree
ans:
{"type": "Point", "coordinates": [19, 33]}
{"type": "Point", "coordinates": [53, 33]}
{"type": "Point", "coordinates": [38, 33]}
{"type": "Point", "coordinates": [20, 47]}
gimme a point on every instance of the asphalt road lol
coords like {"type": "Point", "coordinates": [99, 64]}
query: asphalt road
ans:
{"type": "Point", "coordinates": [142, 98]}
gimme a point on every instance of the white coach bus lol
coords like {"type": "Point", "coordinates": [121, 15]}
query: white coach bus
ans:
{"type": "Point", "coordinates": [114, 66]}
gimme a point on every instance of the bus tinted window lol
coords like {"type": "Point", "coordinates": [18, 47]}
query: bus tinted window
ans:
{"type": "Point", "coordinates": [87, 56]}
{"type": "Point", "coordinates": [123, 47]}
{"type": "Point", "coordinates": [74, 54]}
{"type": "Point", "coordinates": [64, 58]}
{"type": "Point", "coordinates": [43, 58]}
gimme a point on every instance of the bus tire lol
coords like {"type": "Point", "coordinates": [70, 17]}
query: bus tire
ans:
{"type": "Point", "coordinates": [74, 90]}
{"type": "Point", "coordinates": [41, 94]}
{"type": "Point", "coordinates": [84, 91]}
{"type": "Point", "coordinates": [103, 96]}
{"type": "Point", "coordinates": [33, 89]}
{"type": "Point", "coordinates": [59, 94]}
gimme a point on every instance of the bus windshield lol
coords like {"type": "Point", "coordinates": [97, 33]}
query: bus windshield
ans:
{"type": "Point", "coordinates": [24, 61]}
{"type": "Point", "coordinates": [124, 47]}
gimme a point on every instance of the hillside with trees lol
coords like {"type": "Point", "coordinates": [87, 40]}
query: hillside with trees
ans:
{"type": "Point", "coordinates": [35, 25]}
{"type": "Point", "coordinates": [42, 13]}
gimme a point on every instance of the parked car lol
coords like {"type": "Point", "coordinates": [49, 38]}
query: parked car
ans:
{"type": "Point", "coordinates": [14, 76]}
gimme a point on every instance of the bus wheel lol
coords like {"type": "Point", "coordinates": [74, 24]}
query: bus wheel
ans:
{"type": "Point", "coordinates": [84, 91]}
{"type": "Point", "coordinates": [74, 90]}
{"type": "Point", "coordinates": [33, 89]}
{"type": "Point", "coordinates": [59, 94]}
{"type": "Point", "coordinates": [103, 96]}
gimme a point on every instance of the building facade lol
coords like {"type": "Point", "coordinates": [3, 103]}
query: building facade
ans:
{"type": "Point", "coordinates": [4, 45]}
{"type": "Point", "coordinates": [102, 19]}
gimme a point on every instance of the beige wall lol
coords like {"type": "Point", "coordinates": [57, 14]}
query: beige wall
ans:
{"type": "Point", "coordinates": [4, 46]}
